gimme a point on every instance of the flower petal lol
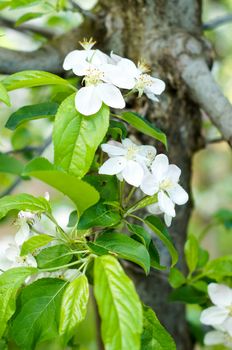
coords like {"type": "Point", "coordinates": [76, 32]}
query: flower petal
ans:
{"type": "Point", "coordinates": [149, 185]}
{"type": "Point", "coordinates": [113, 150]}
{"type": "Point", "coordinates": [167, 220]}
{"type": "Point", "coordinates": [154, 209]}
{"type": "Point", "coordinates": [220, 294]}
{"type": "Point", "coordinates": [110, 95]}
{"type": "Point", "coordinates": [157, 87]}
{"type": "Point", "coordinates": [87, 101]}
{"type": "Point", "coordinates": [174, 173]}
{"type": "Point", "coordinates": [214, 315]}
{"type": "Point", "coordinates": [113, 166]}
{"type": "Point", "coordinates": [23, 234]}
{"type": "Point", "coordinates": [214, 338]}
{"type": "Point", "coordinates": [133, 173]}
{"type": "Point", "coordinates": [74, 58]}
{"type": "Point", "coordinates": [118, 77]}
{"type": "Point", "coordinates": [160, 166]}
{"type": "Point", "coordinates": [178, 195]}
{"type": "Point", "coordinates": [81, 68]}
{"type": "Point", "coordinates": [165, 204]}
{"type": "Point", "coordinates": [150, 95]}
{"type": "Point", "coordinates": [227, 325]}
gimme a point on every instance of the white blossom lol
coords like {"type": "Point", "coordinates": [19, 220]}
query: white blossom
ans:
{"type": "Point", "coordinates": [163, 180]}
{"type": "Point", "coordinates": [127, 160]}
{"type": "Point", "coordinates": [221, 313]}
{"type": "Point", "coordinates": [218, 337]}
{"type": "Point", "coordinates": [155, 209]}
{"type": "Point", "coordinates": [14, 259]}
{"type": "Point", "coordinates": [143, 82]}
{"type": "Point", "coordinates": [101, 79]}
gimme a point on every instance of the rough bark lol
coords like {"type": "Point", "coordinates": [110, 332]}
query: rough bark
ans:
{"type": "Point", "coordinates": [140, 29]}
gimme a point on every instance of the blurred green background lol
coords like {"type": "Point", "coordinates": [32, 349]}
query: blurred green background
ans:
{"type": "Point", "coordinates": [212, 168]}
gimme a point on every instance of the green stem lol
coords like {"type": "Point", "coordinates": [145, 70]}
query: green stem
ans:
{"type": "Point", "coordinates": [61, 231]}
{"type": "Point", "coordinates": [121, 190]}
{"type": "Point", "coordinates": [62, 266]}
{"type": "Point", "coordinates": [135, 217]}
{"type": "Point", "coordinates": [132, 191]}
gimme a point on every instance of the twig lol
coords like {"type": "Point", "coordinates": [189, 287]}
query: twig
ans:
{"type": "Point", "coordinates": [212, 141]}
{"type": "Point", "coordinates": [217, 22]}
{"type": "Point", "coordinates": [82, 11]}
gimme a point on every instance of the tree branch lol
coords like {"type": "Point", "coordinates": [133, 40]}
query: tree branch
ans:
{"type": "Point", "coordinates": [207, 94]}
{"type": "Point", "coordinates": [49, 57]}
{"type": "Point", "coordinates": [217, 22]}
{"type": "Point", "coordinates": [188, 56]}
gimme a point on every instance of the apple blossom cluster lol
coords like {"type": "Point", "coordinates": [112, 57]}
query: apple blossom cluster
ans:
{"type": "Point", "coordinates": [12, 257]}
{"type": "Point", "coordinates": [104, 76]}
{"type": "Point", "coordinates": [12, 254]}
{"type": "Point", "coordinates": [140, 166]}
{"type": "Point", "coordinates": [219, 316]}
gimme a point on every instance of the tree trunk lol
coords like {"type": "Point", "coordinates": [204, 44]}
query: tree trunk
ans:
{"type": "Point", "coordinates": [141, 29]}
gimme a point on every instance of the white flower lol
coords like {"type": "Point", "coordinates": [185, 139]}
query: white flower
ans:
{"type": "Point", "coordinates": [89, 99]}
{"type": "Point", "coordinates": [100, 78]}
{"type": "Point", "coordinates": [155, 209]}
{"type": "Point", "coordinates": [13, 258]}
{"type": "Point", "coordinates": [143, 82]}
{"type": "Point", "coordinates": [218, 337]}
{"type": "Point", "coordinates": [127, 160]}
{"type": "Point", "coordinates": [164, 181]}
{"type": "Point", "coordinates": [221, 313]}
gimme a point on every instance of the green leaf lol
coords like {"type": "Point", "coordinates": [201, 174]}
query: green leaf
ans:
{"type": "Point", "coordinates": [31, 78]}
{"type": "Point", "coordinates": [157, 226]}
{"type": "Point", "coordinates": [27, 17]}
{"type": "Point", "coordinates": [143, 236]}
{"type": "Point", "coordinates": [80, 192]}
{"type": "Point", "coordinates": [154, 257]}
{"type": "Point", "coordinates": [203, 257]}
{"type": "Point", "coordinates": [77, 137]}
{"type": "Point", "coordinates": [34, 243]}
{"type": "Point", "coordinates": [176, 278]}
{"type": "Point", "coordinates": [224, 217]}
{"type": "Point", "coordinates": [126, 248]}
{"type": "Point", "coordinates": [23, 201]}
{"type": "Point", "coordinates": [21, 138]}
{"type": "Point", "coordinates": [191, 250]}
{"type": "Point", "coordinates": [144, 126]}
{"type": "Point", "coordinates": [155, 336]}
{"type": "Point", "coordinates": [189, 295]}
{"type": "Point", "coordinates": [4, 97]}
{"type": "Point", "coordinates": [10, 165]}
{"type": "Point", "coordinates": [55, 256]}
{"type": "Point", "coordinates": [10, 282]}
{"type": "Point", "coordinates": [117, 129]}
{"type": "Point", "coordinates": [74, 306]}
{"type": "Point", "coordinates": [106, 185]}
{"type": "Point", "coordinates": [98, 215]}
{"type": "Point", "coordinates": [119, 305]}
{"type": "Point", "coordinates": [219, 268]}
{"type": "Point", "coordinates": [37, 319]}
{"type": "Point", "coordinates": [144, 202]}
{"type": "Point", "coordinates": [27, 113]}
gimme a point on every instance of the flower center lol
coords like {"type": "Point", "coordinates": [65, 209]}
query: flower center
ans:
{"type": "Point", "coordinates": [166, 184]}
{"type": "Point", "coordinates": [144, 80]}
{"type": "Point", "coordinates": [93, 76]}
{"type": "Point", "coordinates": [131, 152]}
